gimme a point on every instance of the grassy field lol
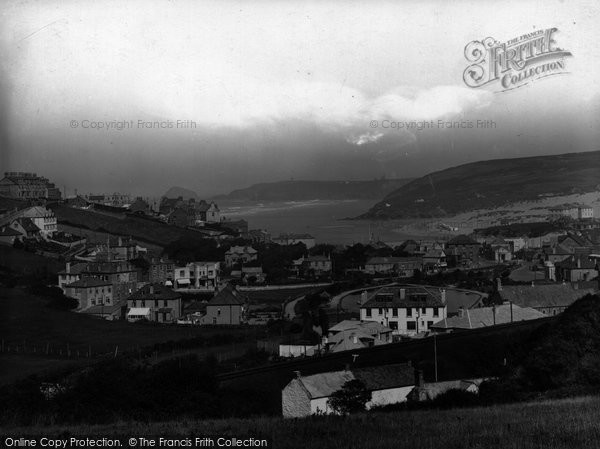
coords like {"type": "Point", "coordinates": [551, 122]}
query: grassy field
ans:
{"type": "Point", "coordinates": [558, 424]}
{"type": "Point", "coordinates": [27, 322]}
{"type": "Point", "coordinates": [145, 230]}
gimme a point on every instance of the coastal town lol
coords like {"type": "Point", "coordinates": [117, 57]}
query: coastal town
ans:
{"type": "Point", "coordinates": [303, 298]}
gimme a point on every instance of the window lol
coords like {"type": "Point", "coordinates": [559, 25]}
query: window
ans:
{"type": "Point", "coordinates": [182, 273]}
{"type": "Point", "coordinates": [423, 310]}
{"type": "Point", "coordinates": [393, 325]}
{"type": "Point", "coordinates": [380, 311]}
{"type": "Point", "coordinates": [436, 311]}
{"type": "Point", "coordinates": [368, 312]}
{"type": "Point", "coordinates": [409, 312]}
{"type": "Point", "coordinates": [429, 324]}
{"type": "Point", "coordinates": [133, 303]}
{"type": "Point", "coordinates": [143, 303]}
{"type": "Point", "coordinates": [166, 303]}
{"type": "Point", "coordinates": [218, 312]}
{"type": "Point", "coordinates": [156, 303]}
{"type": "Point", "coordinates": [411, 325]}
{"type": "Point", "coordinates": [394, 312]}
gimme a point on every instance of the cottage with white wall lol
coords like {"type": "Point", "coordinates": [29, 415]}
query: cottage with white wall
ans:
{"type": "Point", "coordinates": [309, 395]}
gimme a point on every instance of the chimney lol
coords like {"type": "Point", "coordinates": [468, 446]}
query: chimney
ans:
{"type": "Point", "coordinates": [498, 284]}
{"type": "Point", "coordinates": [151, 289]}
{"type": "Point", "coordinates": [402, 293]}
{"type": "Point", "coordinates": [354, 339]}
{"type": "Point", "coordinates": [68, 267]}
{"type": "Point", "coordinates": [443, 296]}
{"type": "Point", "coordinates": [298, 374]}
{"type": "Point", "coordinates": [419, 381]}
{"type": "Point", "coordinates": [532, 283]}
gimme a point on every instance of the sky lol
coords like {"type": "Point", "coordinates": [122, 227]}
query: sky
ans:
{"type": "Point", "coordinates": [140, 96]}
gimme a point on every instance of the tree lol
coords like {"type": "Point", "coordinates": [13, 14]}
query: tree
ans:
{"type": "Point", "coordinates": [351, 398]}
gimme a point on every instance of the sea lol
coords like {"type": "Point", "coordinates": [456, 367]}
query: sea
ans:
{"type": "Point", "coordinates": [329, 221]}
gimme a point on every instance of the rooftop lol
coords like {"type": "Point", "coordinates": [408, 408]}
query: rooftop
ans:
{"type": "Point", "coordinates": [375, 378]}
{"type": "Point", "coordinates": [488, 316]}
{"type": "Point", "coordinates": [537, 296]}
{"type": "Point", "coordinates": [228, 296]}
{"type": "Point", "coordinates": [405, 296]}
{"type": "Point", "coordinates": [154, 291]}
{"type": "Point", "coordinates": [88, 282]}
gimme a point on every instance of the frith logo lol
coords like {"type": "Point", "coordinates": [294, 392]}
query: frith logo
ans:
{"type": "Point", "coordinates": [516, 62]}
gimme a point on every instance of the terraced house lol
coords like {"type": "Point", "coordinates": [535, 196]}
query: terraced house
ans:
{"type": "Point", "coordinates": [155, 302]}
{"type": "Point", "coordinates": [407, 310]}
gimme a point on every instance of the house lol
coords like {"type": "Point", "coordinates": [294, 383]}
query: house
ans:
{"type": "Point", "coordinates": [309, 395]}
{"type": "Point", "coordinates": [576, 268]}
{"type": "Point", "coordinates": [252, 275]}
{"type": "Point", "coordinates": [502, 250]}
{"type": "Point", "coordinates": [317, 265]}
{"type": "Point", "coordinates": [25, 227]}
{"type": "Point", "coordinates": [8, 235]}
{"type": "Point", "coordinates": [164, 305]}
{"type": "Point", "coordinates": [407, 310]}
{"type": "Point", "coordinates": [160, 270]}
{"type": "Point", "coordinates": [28, 186]}
{"type": "Point", "coordinates": [517, 243]}
{"type": "Point", "coordinates": [114, 311]}
{"type": "Point", "coordinates": [463, 250]}
{"type": "Point", "coordinates": [259, 236]}
{"type": "Point", "coordinates": [197, 276]}
{"type": "Point", "coordinates": [353, 334]}
{"type": "Point", "coordinates": [398, 266]}
{"type": "Point", "coordinates": [486, 316]}
{"type": "Point", "coordinates": [435, 260]}
{"type": "Point", "coordinates": [122, 275]}
{"type": "Point", "coordinates": [576, 243]}
{"type": "Point", "coordinates": [90, 292]}
{"type": "Point", "coordinates": [229, 306]}
{"type": "Point", "coordinates": [70, 274]}
{"type": "Point", "coordinates": [428, 391]}
{"type": "Point", "coordinates": [24, 221]}
{"type": "Point", "coordinates": [139, 206]}
{"type": "Point", "coordinates": [293, 239]}
{"type": "Point", "coordinates": [572, 210]}
{"type": "Point", "coordinates": [550, 299]}
{"type": "Point", "coordinates": [240, 254]}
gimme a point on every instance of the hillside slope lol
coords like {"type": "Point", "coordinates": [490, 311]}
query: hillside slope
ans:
{"type": "Point", "coordinates": [313, 190]}
{"type": "Point", "coordinates": [491, 184]}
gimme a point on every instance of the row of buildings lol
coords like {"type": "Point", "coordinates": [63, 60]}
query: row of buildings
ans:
{"type": "Point", "coordinates": [28, 186]}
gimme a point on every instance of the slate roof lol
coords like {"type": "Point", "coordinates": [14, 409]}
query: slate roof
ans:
{"type": "Point", "coordinates": [538, 296]}
{"type": "Point", "coordinates": [371, 327]}
{"type": "Point", "coordinates": [88, 282]}
{"type": "Point", "coordinates": [159, 291]}
{"type": "Point", "coordinates": [7, 231]}
{"type": "Point", "coordinates": [571, 263]}
{"type": "Point", "coordinates": [484, 316]}
{"type": "Point", "coordinates": [28, 224]}
{"type": "Point", "coordinates": [415, 296]}
{"type": "Point", "coordinates": [241, 250]}
{"type": "Point", "coordinates": [228, 296]}
{"type": "Point", "coordinates": [375, 378]}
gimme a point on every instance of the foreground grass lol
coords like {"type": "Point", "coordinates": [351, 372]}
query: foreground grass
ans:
{"type": "Point", "coordinates": [557, 424]}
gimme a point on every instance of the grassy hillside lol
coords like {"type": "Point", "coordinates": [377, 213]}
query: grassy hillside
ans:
{"type": "Point", "coordinates": [28, 321]}
{"type": "Point", "coordinates": [143, 229]}
{"type": "Point", "coordinates": [312, 190]}
{"type": "Point", "coordinates": [490, 184]}
{"type": "Point", "coordinates": [560, 424]}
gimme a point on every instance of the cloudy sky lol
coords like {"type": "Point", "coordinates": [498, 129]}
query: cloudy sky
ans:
{"type": "Point", "coordinates": [277, 90]}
